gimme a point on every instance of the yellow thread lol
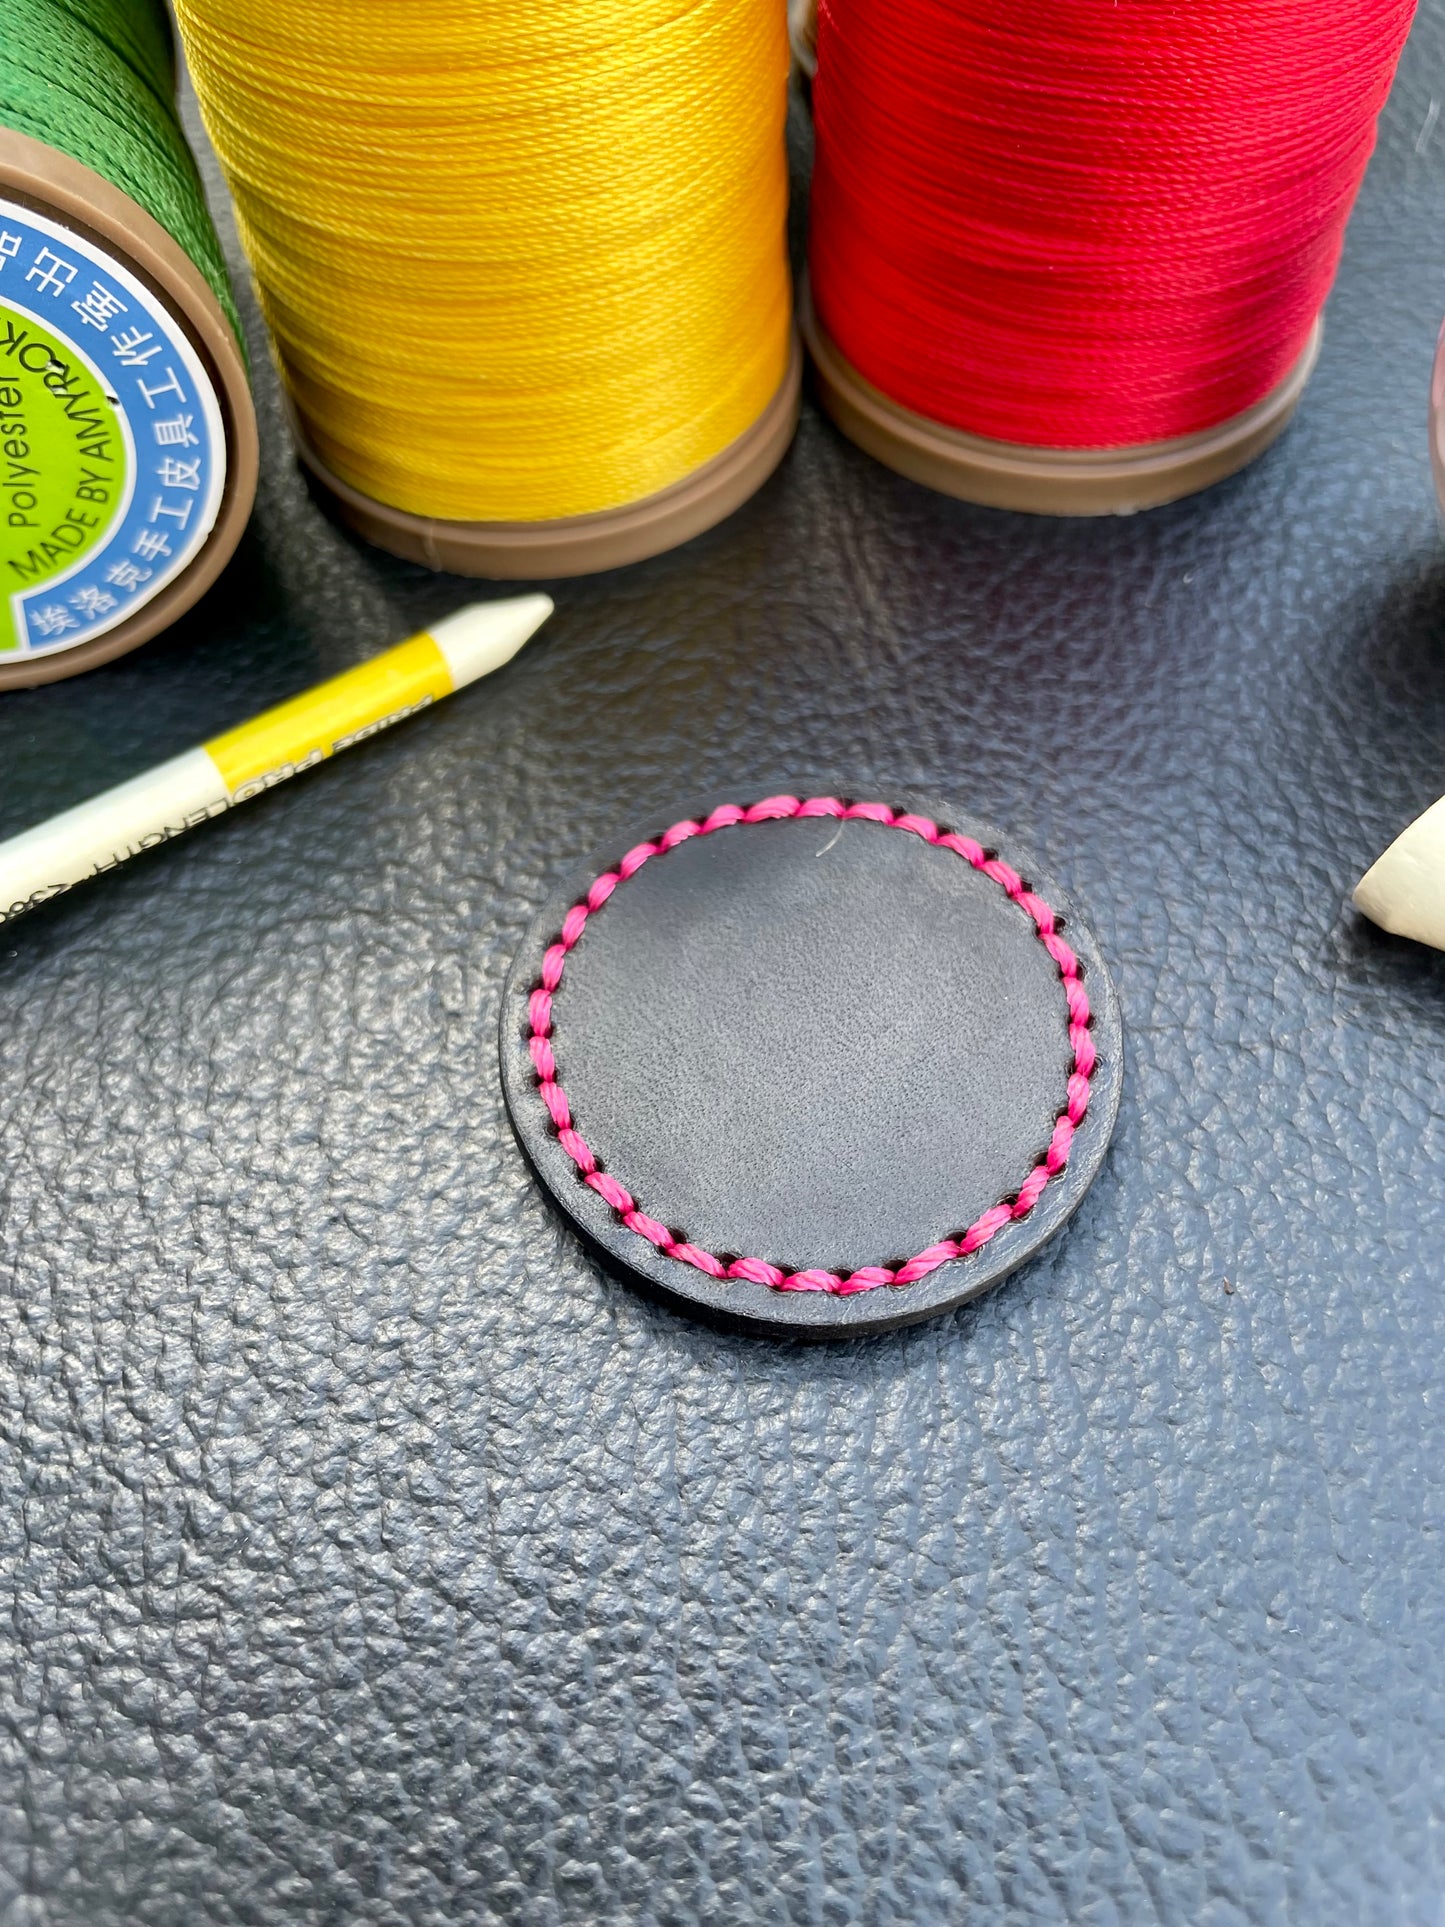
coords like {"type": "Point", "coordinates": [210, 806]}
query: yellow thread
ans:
{"type": "Point", "coordinates": [521, 258]}
{"type": "Point", "coordinates": [333, 715]}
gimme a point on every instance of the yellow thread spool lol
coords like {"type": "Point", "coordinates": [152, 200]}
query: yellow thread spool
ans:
{"type": "Point", "coordinates": [524, 265]}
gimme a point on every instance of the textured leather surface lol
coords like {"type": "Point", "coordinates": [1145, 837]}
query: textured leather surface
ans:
{"type": "Point", "coordinates": [370, 1555]}
{"type": "Point", "coordinates": [826, 1044]}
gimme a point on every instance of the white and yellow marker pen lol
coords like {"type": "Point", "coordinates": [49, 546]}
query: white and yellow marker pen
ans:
{"type": "Point", "coordinates": [150, 809]}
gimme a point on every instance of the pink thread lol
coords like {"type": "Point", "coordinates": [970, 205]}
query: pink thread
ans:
{"type": "Point", "coordinates": [757, 1270]}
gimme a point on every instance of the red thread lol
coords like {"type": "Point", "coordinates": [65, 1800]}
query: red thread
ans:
{"type": "Point", "coordinates": [757, 1270]}
{"type": "Point", "coordinates": [1088, 224]}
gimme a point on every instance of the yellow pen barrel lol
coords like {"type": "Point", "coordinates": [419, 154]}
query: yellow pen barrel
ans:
{"type": "Point", "coordinates": [298, 734]}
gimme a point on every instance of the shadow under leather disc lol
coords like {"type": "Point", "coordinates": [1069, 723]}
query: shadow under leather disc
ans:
{"type": "Point", "coordinates": [827, 1044]}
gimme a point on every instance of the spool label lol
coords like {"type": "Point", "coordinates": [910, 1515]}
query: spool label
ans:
{"type": "Point", "coordinates": [112, 447]}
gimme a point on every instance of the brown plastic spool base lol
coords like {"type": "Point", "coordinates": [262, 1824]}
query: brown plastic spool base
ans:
{"type": "Point", "coordinates": [1009, 475]}
{"type": "Point", "coordinates": [52, 183]}
{"type": "Point", "coordinates": [578, 544]}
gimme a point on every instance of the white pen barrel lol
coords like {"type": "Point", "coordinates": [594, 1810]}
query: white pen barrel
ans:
{"type": "Point", "coordinates": [97, 835]}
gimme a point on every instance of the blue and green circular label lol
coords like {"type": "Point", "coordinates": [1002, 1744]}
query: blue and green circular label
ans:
{"type": "Point", "coordinates": [112, 449]}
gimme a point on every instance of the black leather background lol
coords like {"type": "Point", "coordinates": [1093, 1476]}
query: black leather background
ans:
{"type": "Point", "coordinates": [371, 1556]}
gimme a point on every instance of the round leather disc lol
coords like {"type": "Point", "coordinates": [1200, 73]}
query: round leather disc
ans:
{"type": "Point", "coordinates": [813, 1064]}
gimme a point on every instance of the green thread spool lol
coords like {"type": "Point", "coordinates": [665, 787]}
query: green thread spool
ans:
{"type": "Point", "coordinates": [128, 447]}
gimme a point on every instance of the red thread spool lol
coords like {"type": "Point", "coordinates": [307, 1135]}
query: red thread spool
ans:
{"type": "Point", "coordinates": [1073, 259]}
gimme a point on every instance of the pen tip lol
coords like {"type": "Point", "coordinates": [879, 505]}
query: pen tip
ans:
{"type": "Point", "coordinates": [480, 638]}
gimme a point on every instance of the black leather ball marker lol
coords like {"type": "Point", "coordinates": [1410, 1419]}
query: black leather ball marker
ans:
{"type": "Point", "coordinates": [813, 1063]}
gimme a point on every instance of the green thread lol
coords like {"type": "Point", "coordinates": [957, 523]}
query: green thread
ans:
{"type": "Point", "coordinates": [96, 79]}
